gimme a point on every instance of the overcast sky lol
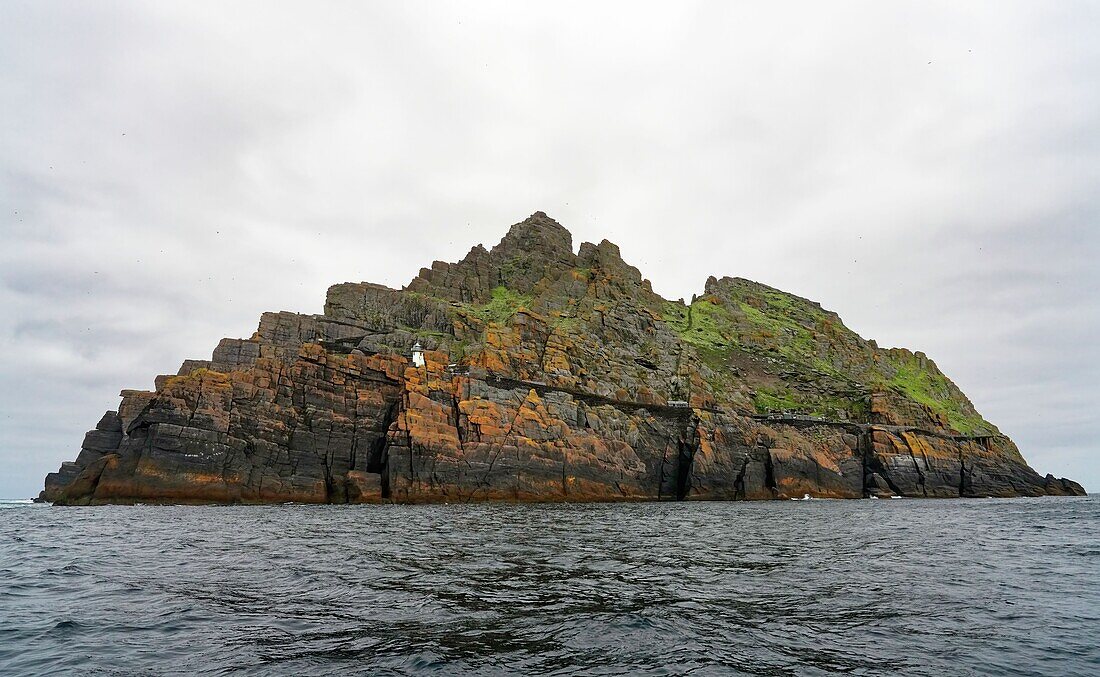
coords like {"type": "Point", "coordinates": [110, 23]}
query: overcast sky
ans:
{"type": "Point", "coordinates": [168, 171]}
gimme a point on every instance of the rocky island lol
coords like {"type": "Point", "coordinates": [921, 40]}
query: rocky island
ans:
{"type": "Point", "coordinates": [528, 372]}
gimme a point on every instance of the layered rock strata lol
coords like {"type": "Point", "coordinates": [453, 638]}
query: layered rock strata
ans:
{"type": "Point", "coordinates": [547, 375]}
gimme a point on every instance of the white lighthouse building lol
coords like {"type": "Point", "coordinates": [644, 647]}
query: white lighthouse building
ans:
{"type": "Point", "coordinates": [418, 355]}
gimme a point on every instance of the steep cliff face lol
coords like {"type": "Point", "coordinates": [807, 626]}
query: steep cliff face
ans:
{"type": "Point", "coordinates": [548, 375]}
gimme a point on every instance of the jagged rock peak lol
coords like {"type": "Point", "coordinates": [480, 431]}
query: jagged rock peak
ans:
{"type": "Point", "coordinates": [606, 257]}
{"type": "Point", "coordinates": [537, 233]}
{"type": "Point", "coordinates": [547, 375]}
{"type": "Point", "coordinates": [534, 249]}
{"type": "Point", "coordinates": [476, 252]}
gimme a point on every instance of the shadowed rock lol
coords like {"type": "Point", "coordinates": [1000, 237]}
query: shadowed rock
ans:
{"type": "Point", "coordinates": [548, 375]}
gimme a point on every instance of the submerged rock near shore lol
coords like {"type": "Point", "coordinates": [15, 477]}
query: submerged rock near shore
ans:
{"type": "Point", "coordinates": [547, 375]}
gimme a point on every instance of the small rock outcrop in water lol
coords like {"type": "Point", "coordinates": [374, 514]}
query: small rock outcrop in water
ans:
{"type": "Point", "coordinates": [547, 376]}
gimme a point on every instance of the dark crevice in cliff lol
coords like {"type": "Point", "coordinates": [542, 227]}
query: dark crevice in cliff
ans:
{"type": "Point", "coordinates": [233, 488]}
{"type": "Point", "coordinates": [739, 481]}
{"type": "Point", "coordinates": [873, 466]}
{"type": "Point", "coordinates": [920, 472]}
{"type": "Point", "coordinates": [378, 459]}
{"type": "Point", "coordinates": [456, 421]}
{"type": "Point", "coordinates": [866, 451]}
{"type": "Point", "coordinates": [139, 420]}
{"type": "Point", "coordinates": [964, 489]}
{"type": "Point", "coordinates": [769, 472]}
{"type": "Point", "coordinates": [685, 456]}
{"type": "Point", "coordinates": [353, 450]}
{"type": "Point", "coordinates": [253, 479]}
{"type": "Point", "coordinates": [662, 474]}
{"type": "Point", "coordinates": [331, 492]}
{"type": "Point", "coordinates": [337, 492]}
{"type": "Point", "coordinates": [324, 455]}
{"type": "Point", "coordinates": [686, 447]}
{"type": "Point", "coordinates": [140, 442]}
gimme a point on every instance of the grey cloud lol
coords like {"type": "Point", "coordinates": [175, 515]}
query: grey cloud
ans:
{"type": "Point", "coordinates": [171, 171]}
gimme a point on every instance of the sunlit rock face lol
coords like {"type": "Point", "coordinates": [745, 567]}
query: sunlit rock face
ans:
{"type": "Point", "coordinates": [547, 375]}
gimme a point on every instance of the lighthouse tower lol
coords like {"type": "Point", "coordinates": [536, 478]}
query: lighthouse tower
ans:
{"type": "Point", "coordinates": [418, 355]}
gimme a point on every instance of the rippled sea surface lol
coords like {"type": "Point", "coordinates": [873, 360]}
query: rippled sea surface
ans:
{"type": "Point", "coordinates": [915, 587]}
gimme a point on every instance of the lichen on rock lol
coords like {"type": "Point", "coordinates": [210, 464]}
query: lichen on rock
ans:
{"type": "Point", "coordinates": [548, 375]}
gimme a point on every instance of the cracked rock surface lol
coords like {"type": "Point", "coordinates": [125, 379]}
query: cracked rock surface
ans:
{"type": "Point", "coordinates": [548, 375]}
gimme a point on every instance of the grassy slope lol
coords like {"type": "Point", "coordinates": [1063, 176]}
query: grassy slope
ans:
{"type": "Point", "coordinates": [821, 367]}
{"type": "Point", "coordinates": [800, 336]}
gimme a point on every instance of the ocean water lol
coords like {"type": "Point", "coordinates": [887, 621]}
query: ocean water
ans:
{"type": "Point", "coordinates": [899, 587]}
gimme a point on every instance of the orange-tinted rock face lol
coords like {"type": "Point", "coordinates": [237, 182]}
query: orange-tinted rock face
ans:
{"type": "Point", "coordinates": [300, 431]}
{"type": "Point", "coordinates": [548, 376]}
